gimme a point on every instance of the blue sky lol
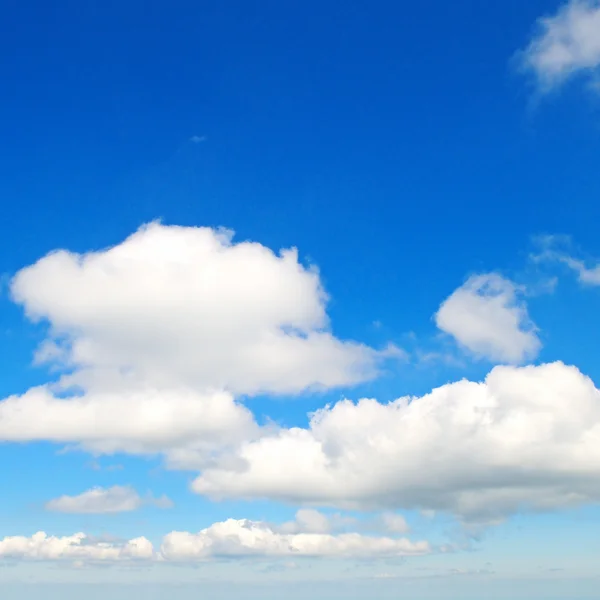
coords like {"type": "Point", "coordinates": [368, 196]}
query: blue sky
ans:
{"type": "Point", "coordinates": [163, 348]}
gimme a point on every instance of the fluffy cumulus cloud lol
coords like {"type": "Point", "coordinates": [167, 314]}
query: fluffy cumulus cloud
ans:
{"type": "Point", "coordinates": [189, 306]}
{"type": "Point", "coordinates": [487, 317]}
{"type": "Point", "coordinates": [99, 500]}
{"type": "Point", "coordinates": [78, 547]}
{"type": "Point", "coordinates": [158, 336]}
{"type": "Point", "coordinates": [184, 424]}
{"type": "Point", "coordinates": [250, 538]}
{"type": "Point", "coordinates": [231, 538]}
{"type": "Point", "coordinates": [567, 43]}
{"type": "Point", "coordinates": [526, 438]}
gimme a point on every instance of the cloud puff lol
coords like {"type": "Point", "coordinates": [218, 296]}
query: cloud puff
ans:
{"type": "Point", "coordinates": [187, 305]}
{"type": "Point", "coordinates": [78, 547]}
{"type": "Point", "coordinates": [487, 317]}
{"type": "Point", "coordinates": [527, 438]}
{"type": "Point", "coordinates": [230, 538]}
{"type": "Point", "coordinates": [567, 43]}
{"type": "Point", "coordinates": [309, 520]}
{"type": "Point", "coordinates": [250, 538]}
{"type": "Point", "coordinates": [585, 274]}
{"type": "Point", "coordinates": [157, 336]}
{"type": "Point", "coordinates": [99, 500]}
{"type": "Point", "coordinates": [394, 523]}
{"type": "Point", "coordinates": [555, 248]}
{"type": "Point", "coordinates": [181, 423]}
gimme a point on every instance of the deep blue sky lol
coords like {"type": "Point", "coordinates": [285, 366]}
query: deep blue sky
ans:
{"type": "Point", "coordinates": [354, 130]}
{"type": "Point", "coordinates": [396, 138]}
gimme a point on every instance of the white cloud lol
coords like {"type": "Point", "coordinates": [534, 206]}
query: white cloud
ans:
{"type": "Point", "coordinates": [163, 501]}
{"type": "Point", "coordinates": [188, 306]}
{"type": "Point", "coordinates": [99, 500]}
{"type": "Point", "coordinates": [158, 335]}
{"type": "Point", "coordinates": [525, 438]}
{"type": "Point", "coordinates": [308, 520]}
{"type": "Point", "coordinates": [567, 43]}
{"type": "Point", "coordinates": [182, 423]}
{"type": "Point", "coordinates": [556, 248]}
{"type": "Point", "coordinates": [251, 538]}
{"type": "Point", "coordinates": [96, 466]}
{"type": "Point", "coordinates": [395, 523]}
{"type": "Point", "coordinates": [587, 275]}
{"type": "Point", "coordinates": [157, 346]}
{"type": "Point", "coordinates": [78, 547]}
{"type": "Point", "coordinates": [487, 317]}
{"type": "Point", "coordinates": [230, 538]}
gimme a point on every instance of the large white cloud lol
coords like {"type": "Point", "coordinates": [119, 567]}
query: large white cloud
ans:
{"type": "Point", "coordinates": [231, 538]}
{"type": "Point", "coordinates": [486, 316]}
{"type": "Point", "coordinates": [525, 438]}
{"type": "Point", "coordinates": [157, 337]}
{"type": "Point", "coordinates": [187, 306]}
{"type": "Point", "coordinates": [567, 43]}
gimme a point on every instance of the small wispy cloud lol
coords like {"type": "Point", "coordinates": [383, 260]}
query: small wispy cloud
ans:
{"type": "Point", "coordinates": [198, 139]}
{"type": "Point", "coordinates": [99, 500]}
{"type": "Point", "coordinates": [559, 249]}
{"type": "Point", "coordinates": [94, 465]}
{"type": "Point", "coordinates": [566, 44]}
